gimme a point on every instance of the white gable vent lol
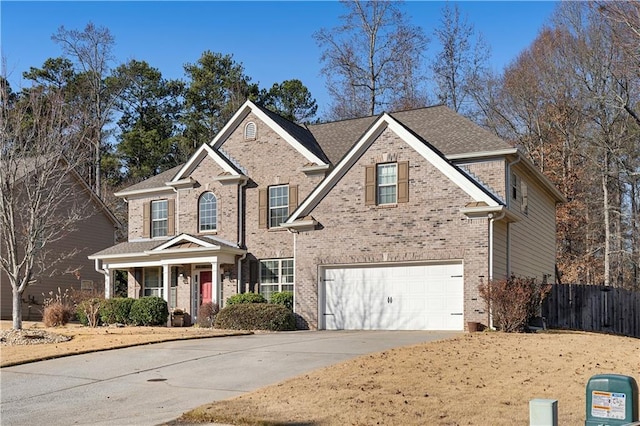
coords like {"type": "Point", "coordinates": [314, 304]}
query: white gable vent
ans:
{"type": "Point", "coordinates": [250, 131]}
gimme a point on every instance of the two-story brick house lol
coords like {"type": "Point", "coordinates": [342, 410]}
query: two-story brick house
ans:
{"type": "Point", "coordinates": [385, 222]}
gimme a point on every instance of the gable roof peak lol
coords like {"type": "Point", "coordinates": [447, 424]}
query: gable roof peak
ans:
{"type": "Point", "coordinates": [299, 137]}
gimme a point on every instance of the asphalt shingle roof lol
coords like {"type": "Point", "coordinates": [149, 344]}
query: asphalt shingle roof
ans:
{"type": "Point", "coordinates": [301, 134]}
{"type": "Point", "coordinates": [157, 181]}
{"type": "Point", "coordinates": [335, 138]}
{"type": "Point", "coordinates": [447, 131]}
{"type": "Point", "coordinates": [129, 247]}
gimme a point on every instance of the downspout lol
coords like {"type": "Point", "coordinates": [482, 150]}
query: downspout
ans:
{"type": "Point", "coordinates": [295, 233]}
{"type": "Point", "coordinates": [107, 276]}
{"type": "Point", "coordinates": [240, 235]}
{"type": "Point", "coordinates": [176, 214]}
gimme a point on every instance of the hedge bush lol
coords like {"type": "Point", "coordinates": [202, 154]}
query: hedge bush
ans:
{"type": "Point", "coordinates": [116, 310]}
{"type": "Point", "coordinates": [56, 314]}
{"type": "Point", "coordinates": [207, 314]}
{"type": "Point", "coordinates": [514, 301]}
{"type": "Point", "coordinates": [88, 311]}
{"type": "Point", "coordinates": [255, 316]}
{"type": "Point", "coordinates": [149, 310]}
{"type": "Point", "coordinates": [284, 298]}
{"type": "Point", "coordinates": [246, 298]}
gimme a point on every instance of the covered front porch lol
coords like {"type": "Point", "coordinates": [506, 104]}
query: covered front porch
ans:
{"type": "Point", "coordinates": [185, 270]}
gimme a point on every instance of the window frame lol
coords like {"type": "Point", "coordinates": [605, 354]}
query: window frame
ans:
{"type": "Point", "coordinates": [284, 205]}
{"type": "Point", "coordinates": [284, 276]}
{"type": "Point", "coordinates": [153, 290]}
{"type": "Point", "coordinates": [153, 220]}
{"type": "Point", "coordinates": [371, 181]}
{"type": "Point", "coordinates": [214, 225]}
{"type": "Point", "coordinates": [380, 185]}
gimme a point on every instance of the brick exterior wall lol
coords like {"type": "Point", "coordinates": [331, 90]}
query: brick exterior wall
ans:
{"type": "Point", "coordinates": [492, 172]}
{"type": "Point", "coordinates": [269, 160]}
{"type": "Point", "coordinates": [428, 227]}
{"type": "Point", "coordinates": [226, 199]}
{"type": "Point", "coordinates": [135, 212]}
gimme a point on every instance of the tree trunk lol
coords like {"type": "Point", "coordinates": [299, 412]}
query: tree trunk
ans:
{"type": "Point", "coordinates": [98, 171]}
{"type": "Point", "coordinates": [635, 237]}
{"type": "Point", "coordinates": [17, 309]}
{"type": "Point", "coordinates": [606, 219]}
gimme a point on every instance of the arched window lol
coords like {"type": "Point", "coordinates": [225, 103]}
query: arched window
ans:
{"type": "Point", "coordinates": [250, 131]}
{"type": "Point", "coordinates": [208, 212]}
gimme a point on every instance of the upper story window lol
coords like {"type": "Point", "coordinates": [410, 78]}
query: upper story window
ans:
{"type": "Point", "coordinates": [250, 131]}
{"type": "Point", "coordinates": [207, 212]}
{"type": "Point", "coordinates": [514, 186]}
{"type": "Point", "coordinates": [275, 204]}
{"type": "Point", "coordinates": [387, 183]}
{"type": "Point", "coordinates": [159, 218]}
{"type": "Point", "coordinates": [278, 205]}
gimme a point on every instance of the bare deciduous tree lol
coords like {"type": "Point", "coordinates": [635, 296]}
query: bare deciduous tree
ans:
{"type": "Point", "coordinates": [569, 99]}
{"type": "Point", "coordinates": [462, 60]}
{"type": "Point", "coordinates": [373, 60]}
{"type": "Point", "coordinates": [38, 203]}
{"type": "Point", "coordinates": [91, 51]}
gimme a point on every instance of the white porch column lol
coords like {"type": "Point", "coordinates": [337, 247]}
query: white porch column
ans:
{"type": "Point", "coordinates": [215, 282]}
{"type": "Point", "coordinates": [108, 291]}
{"type": "Point", "coordinates": [166, 283]}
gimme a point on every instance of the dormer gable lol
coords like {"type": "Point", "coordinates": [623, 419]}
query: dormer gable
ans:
{"type": "Point", "coordinates": [298, 137]}
{"type": "Point", "coordinates": [385, 121]}
{"type": "Point", "coordinates": [229, 173]}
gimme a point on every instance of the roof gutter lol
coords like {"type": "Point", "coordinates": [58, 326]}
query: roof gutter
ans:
{"type": "Point", "coordinates": [482, 154]}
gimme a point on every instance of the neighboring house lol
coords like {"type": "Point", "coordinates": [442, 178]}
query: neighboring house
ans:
{"type": "Point", "coordinates": [94, 232]}
{"type": "Point", "coordinates": [385, 222]}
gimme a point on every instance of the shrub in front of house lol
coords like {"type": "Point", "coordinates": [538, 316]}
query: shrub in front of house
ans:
{"type": "Point", "coordinates": [88, 311]}
{"type": "Point", "coordinates": [58, 308]}
{"type": "Point", "coordinates": [207, 314]}
{"type": "Point", "coordinates": [116, 310]}
{"type": "Point", "coordinates": [284, 298]}
{"type": "Point", "coordinates": [246, 298]}
{"type": "Point", "coordinates": [56, 314]}
{"type": "Point", "coordinates": [256, 316]}
{"type": "Point", "coordinates": [149, 310]}
{"type": "Point", "coordinates": [514, 301]}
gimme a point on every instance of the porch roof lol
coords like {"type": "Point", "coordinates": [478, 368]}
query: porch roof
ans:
{"type": "Point", "coordinates": [183, 242]}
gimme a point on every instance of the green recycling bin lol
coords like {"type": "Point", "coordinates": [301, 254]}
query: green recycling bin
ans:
{"type": "Point", "coordinates": [612, 400]}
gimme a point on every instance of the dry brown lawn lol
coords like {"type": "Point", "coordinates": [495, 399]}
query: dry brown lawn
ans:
{"type": "Point", "coordinates": [87, 339]}
{"type": "Point", "coordinates": [474, 379]}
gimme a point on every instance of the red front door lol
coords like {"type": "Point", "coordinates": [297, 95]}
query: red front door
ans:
{"type": "Point", "coordinates": [205, 287]}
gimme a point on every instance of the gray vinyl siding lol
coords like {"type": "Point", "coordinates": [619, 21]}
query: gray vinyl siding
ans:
{"type": "Point", "coordinates": [532, 238]}
{"type": "Point", "coordinates": [500, 251]}
{"type": "Point", "coordinates": [96, 232]}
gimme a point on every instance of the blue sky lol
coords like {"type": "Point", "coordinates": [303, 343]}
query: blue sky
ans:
{"type": "Point", "coordinates": [273, 40]}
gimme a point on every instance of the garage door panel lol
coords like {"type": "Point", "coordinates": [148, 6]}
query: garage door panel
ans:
{"type": "Point", "coordinates": [351, 305]}
{"type": "Point", "coordinates": [403, 297]}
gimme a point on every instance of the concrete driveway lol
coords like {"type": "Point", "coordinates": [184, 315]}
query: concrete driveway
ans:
{"type": "Point", "coordinates": [152, 384]}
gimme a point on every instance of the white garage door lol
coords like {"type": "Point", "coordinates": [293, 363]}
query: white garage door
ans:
{"type": "Point", "coordinates": [400, 297]}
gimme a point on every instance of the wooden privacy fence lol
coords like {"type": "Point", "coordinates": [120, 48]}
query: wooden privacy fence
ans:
{"type": "Point", "coordinates": [593, 308]}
